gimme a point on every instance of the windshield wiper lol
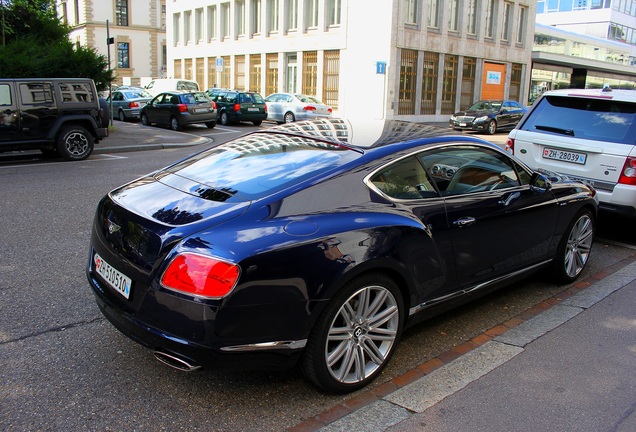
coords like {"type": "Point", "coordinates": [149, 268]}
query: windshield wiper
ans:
{"type": "Point", "coordinates": [561, 131]}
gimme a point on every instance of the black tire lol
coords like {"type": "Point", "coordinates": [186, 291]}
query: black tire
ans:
{"type": "Point", "coordinates": [210, 125]}
{"type": "Point", "coordinates": [75, 143]}
{"type": "Point", "coordinates": [174, 124]}
{"type": "Point", "coordinates": [225, 120]}
{"type": "Point", "coordinates": [574, 248]}
{"type": "Point", "coordinates": [144, 120]}
{"type": "Point", "coordinates": [352, 344]}
{"type": "Point", "coordinates": [491, 129]}
{"type": "Point", "coordinates": [289, 117]}
{"type": "Point", "coordinates": [122, 116]}
{"type": "Point", "coordinates": [257, 122]}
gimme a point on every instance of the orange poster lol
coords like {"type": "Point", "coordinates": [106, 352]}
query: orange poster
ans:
{"type": "Point", "coordinates": [494, 79]}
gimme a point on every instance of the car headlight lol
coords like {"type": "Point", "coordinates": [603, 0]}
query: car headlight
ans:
{"type": "Point", "coordinates": [453, 118]}
{"type": "Point", "coordinates": [481, 119]}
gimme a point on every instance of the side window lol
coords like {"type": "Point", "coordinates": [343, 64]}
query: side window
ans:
{"type": "Point", "coordinates": [5, 95]}
{"type": "Point", "coordinates": [405, 179]}
{"type": "Point", "coordinates": [468, 169]}
{"type": "Point", "coordinates": [36, 93]}
{"type": "Point", "coordinates": [230, 97]}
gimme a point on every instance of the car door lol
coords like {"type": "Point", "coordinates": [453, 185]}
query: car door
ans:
{"type": "Point", "coordinates": [118, 97]}
{"type": "Point", "coordinates": [497, 224]}
{"type": "Point", "coordinates": [9, 117]}
{"type": "Point", "coordinates": [38, 110]}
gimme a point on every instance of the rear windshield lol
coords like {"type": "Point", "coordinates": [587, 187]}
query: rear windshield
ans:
{"type": "Point", "coordinates": [261, 164]}
{"type": "Point", "coordinates": [587, 118]}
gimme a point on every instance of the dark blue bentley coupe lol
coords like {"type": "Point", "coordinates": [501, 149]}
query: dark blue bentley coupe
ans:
{"type": "Point", "coordinates": [316, 243]}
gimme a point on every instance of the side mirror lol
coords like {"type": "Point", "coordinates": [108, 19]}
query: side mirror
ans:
{"type": "Point", "coordinates": [539, 183]}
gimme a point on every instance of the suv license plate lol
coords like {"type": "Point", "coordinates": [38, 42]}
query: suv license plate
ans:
{"type": "Point", "coordinates": [565, 156]}
{"type": "Point", "coordinates": [252, 109]}
{"type": "Point", "coordinates": [116, 279]}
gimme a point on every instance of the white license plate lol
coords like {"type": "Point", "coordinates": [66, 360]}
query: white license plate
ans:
{"type": "Point", "coordinates": [565, 156]}
{"type": "Point", "coordinates": [252, 109]}
{"type": "Point", "coordinates": [198, 110]}
{"type": "Point", "coordinates": [116, 279]}
{"type": "Point", "coordinates": [462, 124]}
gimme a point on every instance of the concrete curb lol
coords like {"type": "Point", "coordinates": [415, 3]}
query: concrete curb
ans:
{"type": "Point", "coordinates": [142, 147]}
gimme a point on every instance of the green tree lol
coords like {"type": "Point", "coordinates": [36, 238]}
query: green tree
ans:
{"type": "Point", "coordinates": [35, 44]}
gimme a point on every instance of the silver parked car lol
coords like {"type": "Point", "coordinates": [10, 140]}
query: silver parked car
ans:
{"type": "Point", "coordinates": [288, 107]}
{"type": "Point", "coordinates": [127, 102]}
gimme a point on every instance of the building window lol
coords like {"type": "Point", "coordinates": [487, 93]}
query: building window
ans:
{"type": "Point", "coordinates": [256, 16]}
{"type": "Point", "coordinates": [187, 27]}
{"type": "Point", "coordinates": [225, 73]}
{"type": "Point", "coordinates": [507, 15]}
{"type": "Point", "coordinates": [272, 16]}
{"type": "Point", "coordinates": [225, 20]}
{"type": "Point", "coordinates": [163, 16]}
{"type": "Point", "coordinates": [521, 24]}
{"type": "Point", "coordinates": [240, 17]}
{"type": "Point", "coordinates": [271, 73]}
{"type": "Point", "coordinates": [212, 23]}
{"type": "Point", "coordinates": [200, 71]}
{"type": "Point", "coordinates": [471, 27]}
{"type": "Point", "coordinates": [177, 68]}
{"type": "Point", "coordinates": [176, 30]}
{"type": "Point", "coordinates": [77, 13]}
{"type": "Point", "coordinates": [331, 78]}
{"type": "Point", "coordinates": [255, 72]}
{"type": "Point", "coordinates": [515, 82]}
{"type": "Point", "coordinates": [453, 15]}
{"type": "Point", "coordinates": [410, 11]}
{"type": "Point", "coordinates": [449, 83]}
{"type": "Point", "coordinates": [311, 13]}
{"type": "Point", "coordinates": [291, 11]}
{"type": "Point", "coordinates": [64, 13]}
{"type": "Point", "coordinates": [433, 14]}
{"type": "Point", "coordinates": [469, 73]}
{"type": "Point", "coordinates": [334, 12]}
{"type": "Point", "coordinates": [121, 12]}
{"type": "Point", "coordinates": [430, 66]}
{"type": "Point", "coordinates": [408, 74]}
{"type": "Point", "coordinates": [198, 25]}
{"type": "Point", "coordinates": [291, 74]}
{"type": "Point", "coordinates": [490, 17]}
{"type": "Point", "coordinates": [310, 73]}
{"type": "Point", "coordinates": [189, 73]}
{"type": "Point", "coordinates": [123, 55]}
{"type": "Point", "coordinates": [239, 73]}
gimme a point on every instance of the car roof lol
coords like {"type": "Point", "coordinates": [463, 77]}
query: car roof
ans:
{"type": "Point", "coordinates": [605, 93]}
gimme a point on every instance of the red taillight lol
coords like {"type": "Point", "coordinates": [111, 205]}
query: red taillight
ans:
{"type": "Point", "coordinates": [628, 174]}
{"type": "Point", "coordinates": [510, 146]}
{"type": "Point", "coordinates": [200, 275]}
{"type": "Point", "coordinates": [213, 105]}
{"type": "Point", "coordinates": [133, 105]}
{"type": "Point", "coordinates": [237, 107]}
{"type": "Point", "coordinates": [182, 108]}
{"type": "Point", "coordinates": [329, 110]}
{"type": "Point", "coordinates": [309, 108]}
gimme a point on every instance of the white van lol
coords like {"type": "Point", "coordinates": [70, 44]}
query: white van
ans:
{"type": "Point", "coordinates": [157, 86]}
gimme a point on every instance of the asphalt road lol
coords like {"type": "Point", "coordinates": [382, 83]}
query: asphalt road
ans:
{"type": "Point", "coordinates": [64, 367]}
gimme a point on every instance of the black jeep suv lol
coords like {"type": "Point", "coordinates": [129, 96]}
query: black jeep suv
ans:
{"type": "Point", "coordinates": [58, 116]}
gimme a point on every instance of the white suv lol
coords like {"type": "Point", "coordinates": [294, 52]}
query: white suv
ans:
{"type": "Point", "coordinates": [588, 135]}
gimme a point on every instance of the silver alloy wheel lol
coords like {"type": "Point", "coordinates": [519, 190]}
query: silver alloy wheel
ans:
{"type": "Point", "coordinates": [362, 334]}
{"type": "Point", "coordinates": [289, 117]}
{"type": "Point", "coordinates": [77, 144]}
{"type": "Point", "coordinates": [577, 250]}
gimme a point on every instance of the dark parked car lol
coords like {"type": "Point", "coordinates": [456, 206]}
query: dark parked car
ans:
{"type": "Point", "coordinates": [304, 244]}
{"type": "Point", "coordinates": [127, 102]}
{"type": "Point", "coordinates": [179, 108]}
{"type": "Point", "coordinates": [58, 116]}
{"type": "Point", "coordinates": [489, 116]}
{"type": "Point", "coordinates": [236, 106]}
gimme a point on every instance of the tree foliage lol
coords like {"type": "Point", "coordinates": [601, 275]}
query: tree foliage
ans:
{"type": "Point", "coordinates": [35, 44]}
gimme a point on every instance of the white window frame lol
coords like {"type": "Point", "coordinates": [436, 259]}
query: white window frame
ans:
{"type": "Point", "coordinates": [273, 16]}
{"type": "Point", "coordinates": [211, 19]}
{"type": "Point", "coordinates": [432, 19]}
{"type": "Point", "coordinates": [410, 12]}
{"type": "Point", "coordinates": [334, 12]}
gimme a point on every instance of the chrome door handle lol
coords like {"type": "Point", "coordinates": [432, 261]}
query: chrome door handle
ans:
{"type": "Point", "coordinates": [464, 222]}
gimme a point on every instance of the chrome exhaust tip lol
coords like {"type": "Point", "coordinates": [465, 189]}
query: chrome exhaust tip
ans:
{"type": "Point", "coordinates": [176, 362]}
